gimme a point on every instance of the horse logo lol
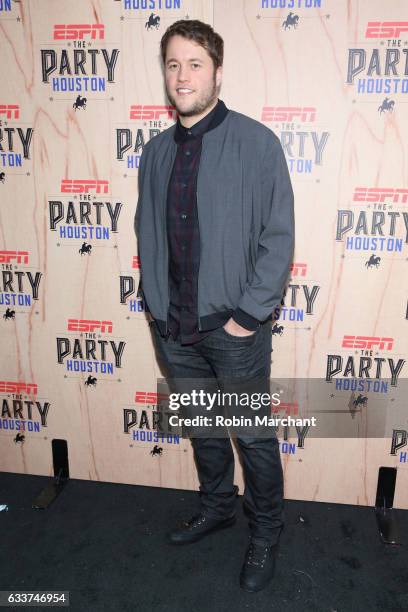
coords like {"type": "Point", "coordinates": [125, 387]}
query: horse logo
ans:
{"type": "Point", "coordinates": [360, 399]}
{"type": "Point", "coordinates": [91, 381]}
{"type": "Point", "coordinates": [154, 22]}
{"type": "Point", "coordinates": [2, 176]}
{"type": "Point", "coordinates": [291, 20]}
{"type": "Point", "coordinates": [79, 103]}
{"type": "Point", "coordinates": [373, 261]}
{"type": "Point", "coordinates": [386, 105]}
{"type": "Point", "coordinates": [85, 249]}
{"type": "Point", "coordinates": [19, 438]}
{"type": "Point", "coordinates": [354, 403]}
{"type": "Point", "coordinates": [277, 329]}
{"type": "Point", "coordinates": [9, 314]}
{"type": "Point", "coordinates": [156, 450]}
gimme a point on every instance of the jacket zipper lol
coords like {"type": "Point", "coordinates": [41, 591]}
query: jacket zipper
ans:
{"type": "Point", "coordinates": [199, 233]}
{"type": "Point", "coordinates": [166, 240]}
{"type": "Point", "coordinates": [199, 265]}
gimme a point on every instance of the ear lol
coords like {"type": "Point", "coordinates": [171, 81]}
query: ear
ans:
{"type": "Point", "coordinates": [218, 76]}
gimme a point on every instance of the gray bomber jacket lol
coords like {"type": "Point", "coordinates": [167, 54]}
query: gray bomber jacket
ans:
{"type": "Point", "coordinates": [246, 222]}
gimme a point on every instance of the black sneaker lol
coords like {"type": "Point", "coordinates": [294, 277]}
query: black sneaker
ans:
{"type": "Point", "coordinates": [259, 566]}
{"type": "Point", "coordinates": [198, 527]}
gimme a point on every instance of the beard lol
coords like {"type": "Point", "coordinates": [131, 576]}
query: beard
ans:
{"type": "Point", "coordinates": [206, 99]}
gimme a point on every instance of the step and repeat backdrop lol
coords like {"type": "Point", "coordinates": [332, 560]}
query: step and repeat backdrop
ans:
{"type": "Point", "coordinates": [81, 94]}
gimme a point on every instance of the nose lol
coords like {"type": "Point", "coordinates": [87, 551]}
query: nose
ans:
{"type": "Point", "coordinates": [183, 74]}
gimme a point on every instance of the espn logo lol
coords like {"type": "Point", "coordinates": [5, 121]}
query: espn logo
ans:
{"type": "Point", "coordinates": [298, 269]}
{"type": "Point", "coordinates": [287, 408]}
{"type": "Point", "coordinates": [12, 111]}
{"type": "Point", "coordinates": [19, 256]}
{"type": "Point", "coordinates": [8, 386]}
{"type": "Point", "coordinates": [79, 31]}
{"type": "Point", "coordinates": [83, 186]}
{"type": "Point", "coordinates": [288, 113]}
{"type": "Point", "coordinates": [152, 112]}
{"type": "Point", "coordinates": [367, 342]}
{"type": "Point", "coordinates": [136, 261]}
{"type": "Point", "coordinates": [386, 29]}
{"type": "Point", "coordinates": [89, 325]}
{"type": "Point", "coordinates": [377, 194]}
{"type": "Point", "coordinates": [144, 397]}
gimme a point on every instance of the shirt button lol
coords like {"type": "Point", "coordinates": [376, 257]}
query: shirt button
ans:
{"type": "Point", "coordinates": [183, 247]}
{"type": "Point", "coordinates": [183, 278]}
{"type": "Point", "coordinates": [184, 185]}
{"type": "Point", "coordinates": [183, 216]}
{"type": "Point", "coordinates": [188, 152]}
{"type": "Point", "coordinates": [189, 133]}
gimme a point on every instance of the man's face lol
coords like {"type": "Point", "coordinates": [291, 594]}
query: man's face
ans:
{"type": "Point", "coordinates": [192, 83]}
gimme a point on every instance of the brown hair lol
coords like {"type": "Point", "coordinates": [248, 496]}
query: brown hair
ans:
{"type": "Point", "coordinates": [199, 32]}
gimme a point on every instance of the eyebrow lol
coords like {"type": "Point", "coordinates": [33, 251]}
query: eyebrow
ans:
{"type": "Point", "coordinates": [193, 59]}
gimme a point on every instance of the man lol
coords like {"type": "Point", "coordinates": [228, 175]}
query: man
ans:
{"type": "Point", "coordinates": [215, 228]}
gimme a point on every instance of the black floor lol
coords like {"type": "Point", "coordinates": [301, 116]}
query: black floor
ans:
{"type": "Point", "coordinates": [105, 543]}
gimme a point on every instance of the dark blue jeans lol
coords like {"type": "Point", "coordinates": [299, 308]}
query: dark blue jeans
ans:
{"type": "Point", "coordinates": [223, 358]}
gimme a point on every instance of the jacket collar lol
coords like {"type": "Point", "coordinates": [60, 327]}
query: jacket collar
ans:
{"type": "Point", "coordinates": [207, 123]}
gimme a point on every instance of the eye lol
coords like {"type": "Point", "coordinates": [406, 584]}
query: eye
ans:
{"type": "Point", "coordinates": [195, 66]}
{"type": "Point", "coordinates": [172, 66]}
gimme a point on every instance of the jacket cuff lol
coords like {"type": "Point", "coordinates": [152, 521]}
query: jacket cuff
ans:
{"type": "Point", "coordinates": [245, 320]}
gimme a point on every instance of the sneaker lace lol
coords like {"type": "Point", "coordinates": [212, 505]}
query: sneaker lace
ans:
{"type": "Point", "coordinates": [195, 521]}
{"type": "Point", "coordinates": [257, 555]}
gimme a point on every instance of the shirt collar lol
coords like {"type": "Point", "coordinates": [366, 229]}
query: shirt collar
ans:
{"type": "Point", "coordinates": [207, 123]}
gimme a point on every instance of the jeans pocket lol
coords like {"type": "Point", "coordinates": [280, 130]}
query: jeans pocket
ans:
{"type": "Point", "coordinates": [239, 339]}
